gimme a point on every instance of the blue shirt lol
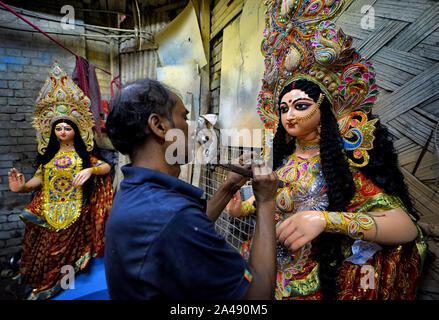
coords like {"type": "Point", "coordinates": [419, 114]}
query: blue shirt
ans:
{"type": "Point", "coordinates": [161, 244]}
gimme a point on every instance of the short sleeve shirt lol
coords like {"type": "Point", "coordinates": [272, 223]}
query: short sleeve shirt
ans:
{"type": "Point", "coordinates": [161, 244]}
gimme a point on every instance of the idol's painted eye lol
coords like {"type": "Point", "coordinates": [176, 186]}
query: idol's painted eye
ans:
{"type": "Point", "coordinates": [283, 108]}
{"type": "Point", "coordinates": [302, 106]}
{"type": "Point", "coordinates": [59, 129]}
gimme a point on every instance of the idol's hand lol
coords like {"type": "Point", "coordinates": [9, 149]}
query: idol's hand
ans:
{"type": "Point", "coordinates": [82, 177]}
{"type": "Point", "coordinates": [300, 228]}
{"type": "Point", "coordinates": [16, 180]}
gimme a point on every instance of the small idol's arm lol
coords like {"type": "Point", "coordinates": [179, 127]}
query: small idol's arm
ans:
{"type": "Point", "coordinates": [220, 199]}
{"type": "Point", "coordinates": [238, 208]}
{"type": "Point", "coordinates": [17, 182]}
{"type": "Point", "coordinates": [86, 173]}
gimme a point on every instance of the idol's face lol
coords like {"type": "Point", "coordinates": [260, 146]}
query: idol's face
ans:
{"type": "Point", "coordinates": [299, 113]}
{"type": "Point", "coordinates": [64, 133]}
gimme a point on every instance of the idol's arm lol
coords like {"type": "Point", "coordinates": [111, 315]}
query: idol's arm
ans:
{"type": "Point", "coordinates": [86, 173]}
{"type": "Point", "coordinates": [391, 227]}
{"type": "Point", "coordinates": [17, 182]}
{"type": "Point", "coordinates": [101, 170]}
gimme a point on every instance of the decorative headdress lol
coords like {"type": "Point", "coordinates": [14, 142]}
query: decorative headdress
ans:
{"type": "Point", "coordinates": [300, 42]}
{"type": "Point", "coordinates": [61, 98]}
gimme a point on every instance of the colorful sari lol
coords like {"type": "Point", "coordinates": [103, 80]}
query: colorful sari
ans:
{"type": "Point", "coordinates": [391, 273]}
{"type": "Point", "coordinates": [46, 250]}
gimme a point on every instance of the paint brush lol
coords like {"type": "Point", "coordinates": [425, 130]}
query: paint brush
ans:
{"type": "Point", "coordinates": [243, 172]}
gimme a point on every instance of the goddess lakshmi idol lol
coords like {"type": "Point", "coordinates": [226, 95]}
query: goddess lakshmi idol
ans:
{"type": "Point", "coordinates": [346, 228]}
{"type": "Point", "coordinates": [65, 222]}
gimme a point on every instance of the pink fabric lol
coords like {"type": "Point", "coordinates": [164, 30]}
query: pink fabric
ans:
{"type": "Point", "coordinates": [85, 77]}
{"type": "Point", "coordinates": [117, 83]}
{"type": "Point", "coordinates": [51, 38]}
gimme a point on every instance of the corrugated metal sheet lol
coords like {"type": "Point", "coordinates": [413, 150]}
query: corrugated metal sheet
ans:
{"type": "Point", "coordinates": [138, 65]}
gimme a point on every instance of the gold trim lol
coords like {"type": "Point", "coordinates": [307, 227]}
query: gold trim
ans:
{"type": "Point", "coordinates": [61, 209]}
{"type": "Point", "coordinates": [297, 288]}
{"type": "Point", "coordinates": [54, 290]}
{"type": "Point", "coordinates": [61, 98]}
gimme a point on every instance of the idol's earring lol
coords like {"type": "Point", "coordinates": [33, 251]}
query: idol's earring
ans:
{"type": "Point", "coordinates": [319, 129]}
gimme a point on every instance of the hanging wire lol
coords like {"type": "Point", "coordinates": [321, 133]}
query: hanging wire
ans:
{"type": "Point", "coordinates": [139, 20]}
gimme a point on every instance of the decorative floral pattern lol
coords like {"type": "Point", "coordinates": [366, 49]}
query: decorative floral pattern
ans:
{"type": "Point", "coordinates": [62, 203]}
{"type": "Point", "coordinates": [396, 269]}
{"type": "Point", "coordinates": [336, 223]}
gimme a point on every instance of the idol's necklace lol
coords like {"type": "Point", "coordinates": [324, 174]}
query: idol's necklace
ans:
{"type": "Point", "coordinates": [306, 145]}
{"type": "Point", "coordinates": [67, 147]}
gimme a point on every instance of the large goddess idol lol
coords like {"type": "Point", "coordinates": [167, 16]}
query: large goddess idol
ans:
{"type": "Point", "coordinates": [65, 222]}
{"type": "Point", "coordinates": [346, 226]}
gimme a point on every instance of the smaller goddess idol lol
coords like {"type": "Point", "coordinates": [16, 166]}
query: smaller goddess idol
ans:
{"type": "Point", "coordinates": [65, 222]}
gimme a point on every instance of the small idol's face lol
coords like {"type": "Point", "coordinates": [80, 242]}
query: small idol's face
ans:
{"type": "Point", "coordinates": [64, 132]}
{"type": "Point", "coordinates": [294, 107]}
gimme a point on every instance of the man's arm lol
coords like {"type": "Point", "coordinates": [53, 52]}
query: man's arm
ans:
{"type": "Point", "coordinates": [262, 258]}
{"type": "Point", "coordinates": [220, 199]}
{"type": "Point", "coordinates": [229, 187]}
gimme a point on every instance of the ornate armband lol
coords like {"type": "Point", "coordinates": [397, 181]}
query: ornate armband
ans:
{"type": "Point", "coordinates": [39, 173]}
{"type": "Point", "coordinates": [26, 188]}
{"type": "Point", "coordinates": [95, 170]}
{"type": "Point", "coordinates": [348, 223]}
{"type": "Point", "coordinates": [247, 208]}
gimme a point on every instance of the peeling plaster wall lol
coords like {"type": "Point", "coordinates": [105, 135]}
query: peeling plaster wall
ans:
{"type": "Point", "coordinates": [242, 69]}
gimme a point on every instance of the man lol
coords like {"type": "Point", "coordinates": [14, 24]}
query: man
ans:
{"type": "Point", "coordinates": [160, 237]}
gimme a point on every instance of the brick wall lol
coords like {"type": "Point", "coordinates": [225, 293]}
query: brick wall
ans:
{"type": "Point", "coordinates": [25, 59]}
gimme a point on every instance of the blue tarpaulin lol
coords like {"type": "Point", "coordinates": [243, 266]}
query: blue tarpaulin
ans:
{"type": "Point", "coordinates": [90, 284]}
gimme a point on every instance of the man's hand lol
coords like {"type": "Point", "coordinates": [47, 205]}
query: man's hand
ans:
{"type": "Point", "coordinates": [265, 182]}
{"type": "Point", "coordinates": [244, 161]}
{"type": "Point", "coordinates": [230, 186]}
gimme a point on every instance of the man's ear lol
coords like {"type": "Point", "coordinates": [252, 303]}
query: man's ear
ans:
{"type": "Point", "coordinates": [157, 125]}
